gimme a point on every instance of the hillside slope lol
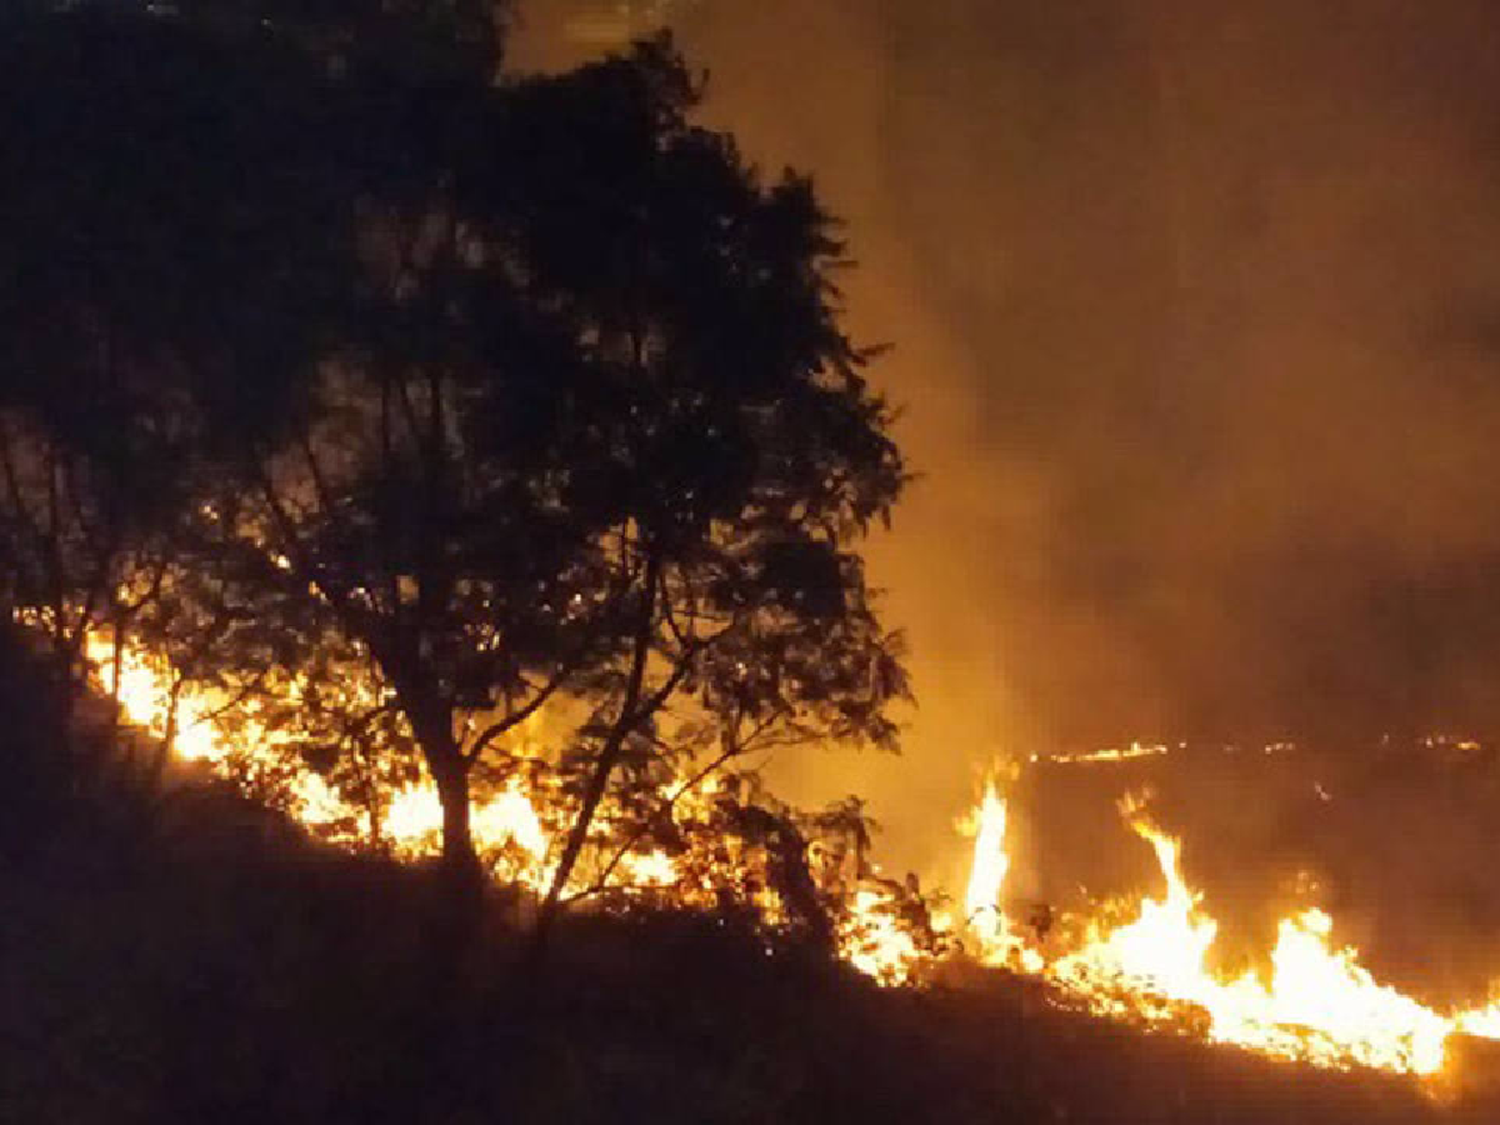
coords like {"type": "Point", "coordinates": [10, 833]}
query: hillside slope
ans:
{"type": "Point", "coordinates": [186, 957]}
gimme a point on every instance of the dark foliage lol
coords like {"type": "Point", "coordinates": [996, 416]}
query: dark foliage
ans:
{"type": "Point", "coordinates": [340, 363]}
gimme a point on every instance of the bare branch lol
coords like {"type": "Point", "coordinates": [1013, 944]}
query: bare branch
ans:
{"type": "Point", "coordinates": [602, 881]}
{"type": "Point", "coordinates": [516, 718]}
{"type": "Point", "coordinates": [320, 482]}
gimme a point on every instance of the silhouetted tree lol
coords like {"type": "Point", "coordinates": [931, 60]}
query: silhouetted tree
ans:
{"type": "Point", "coordinates": [168, 198]}
{"type": "Point", "coordinates": [595, 435]}
{"type": "Point", "coordinates": [505, 395]}
{"type": "Point", "coordinates": [745, 454]}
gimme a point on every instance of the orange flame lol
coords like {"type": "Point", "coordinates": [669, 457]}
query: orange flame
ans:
{"type": "Point", "coordinates": [1320, 1006]}
{"type": "Point", "coordinates": [991, 861]}
{"type": "Point", "coordinates": [508, 825]}
{"type": "Point", "coordinates": [984, 906]}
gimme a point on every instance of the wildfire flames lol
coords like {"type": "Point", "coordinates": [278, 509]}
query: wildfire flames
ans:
{"type": "Point", "coordinates": [518, 826]}
{"type": "Point", "coordinates": [1319, 1006]}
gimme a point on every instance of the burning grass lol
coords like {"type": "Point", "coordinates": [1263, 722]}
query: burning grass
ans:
{"type": "Point", "coordinates": [1319, 1004]}
{"type": "Point", "coordinates": [202, 960]}
{"type": "Point", "coordinates": [696, 839]}
{"type": "Point", "coordinates": [706, 844]}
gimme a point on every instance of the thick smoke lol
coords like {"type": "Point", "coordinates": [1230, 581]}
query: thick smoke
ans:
{"type": "Point", "coordinates": [1197, 321]}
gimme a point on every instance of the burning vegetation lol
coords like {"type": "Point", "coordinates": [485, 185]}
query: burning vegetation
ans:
{"type": "Point", "coordinates": [713, 841]}
{"type": "Point", "coordinates": [710, 841]}
{"type": "Point", "coordinates": [477, 473]}
{"type": "Point", "coordinates": [1152, 966]}
{"type": "Point", "coordinates": [497, 504]}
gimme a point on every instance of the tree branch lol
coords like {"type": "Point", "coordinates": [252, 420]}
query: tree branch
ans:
{"type": "Point", "coordinates": [601, 882]}
{"type": "Point", "coordinates": [514, 719]}
{"type": "Point", "coordinates": [609, 755]}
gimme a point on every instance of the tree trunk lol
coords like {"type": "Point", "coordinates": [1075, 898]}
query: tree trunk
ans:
{"type": "Point", "coordinates": [62, 705]}
{"type": "Point", "coordinates": [456, 919]}
{"type": "Point", "coordinates": [452, 779]}
{"type": "Point", "coordinates": [552, 904]}
{"type": "Point", "coordinates": [609, 755]}
{"type": "Point", "coordinates": [432, 723]}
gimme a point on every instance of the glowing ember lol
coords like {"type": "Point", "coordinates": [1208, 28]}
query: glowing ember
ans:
{"type": "Point", "coordinates": [1112, 754]}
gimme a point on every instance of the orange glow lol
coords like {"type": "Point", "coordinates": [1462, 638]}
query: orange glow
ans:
{"type": "Point", "coordinates": [1112, 754]}
{"type": "Point", "coordinates": [984, 901]}
{"type": "Point", "coordinates": [1320, 1005]}
{"type": "Point", "coordinates": [414, 826]}
{"type": "Point", "coordinates": [872, 940]}
{"type": "Point", "coordinates": [145, 697]}
{"type": "Point", "coordinates": [991, 862]}
{"type": "Point", "coordinates": [514, 828]}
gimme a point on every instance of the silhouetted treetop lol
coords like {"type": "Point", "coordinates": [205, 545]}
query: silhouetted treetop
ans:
{"type": "Point", "coordinates": [510, 395]}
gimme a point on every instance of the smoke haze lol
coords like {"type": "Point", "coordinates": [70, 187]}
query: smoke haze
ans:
{"type": "Point", "coordinates": [1196, 311]}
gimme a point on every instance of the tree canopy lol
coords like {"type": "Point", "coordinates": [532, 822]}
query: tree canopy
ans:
{"type": "Point", "coordinates": [492, 397]}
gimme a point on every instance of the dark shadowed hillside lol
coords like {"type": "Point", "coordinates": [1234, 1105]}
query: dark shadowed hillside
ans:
{"type": "Point", "coordinates": [182, 956]}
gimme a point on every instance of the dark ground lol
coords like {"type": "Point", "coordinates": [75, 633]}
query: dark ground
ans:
{"type": "Point", "coordinates": [192, 959]}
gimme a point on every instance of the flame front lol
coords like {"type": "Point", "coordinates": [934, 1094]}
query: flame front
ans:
{"type": "Point", "coordinates": [412, 824]}
{"type": "Point", "coordinates": [1320, 1005]}
{"type": "Point", "coordinates": [514, 826]}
